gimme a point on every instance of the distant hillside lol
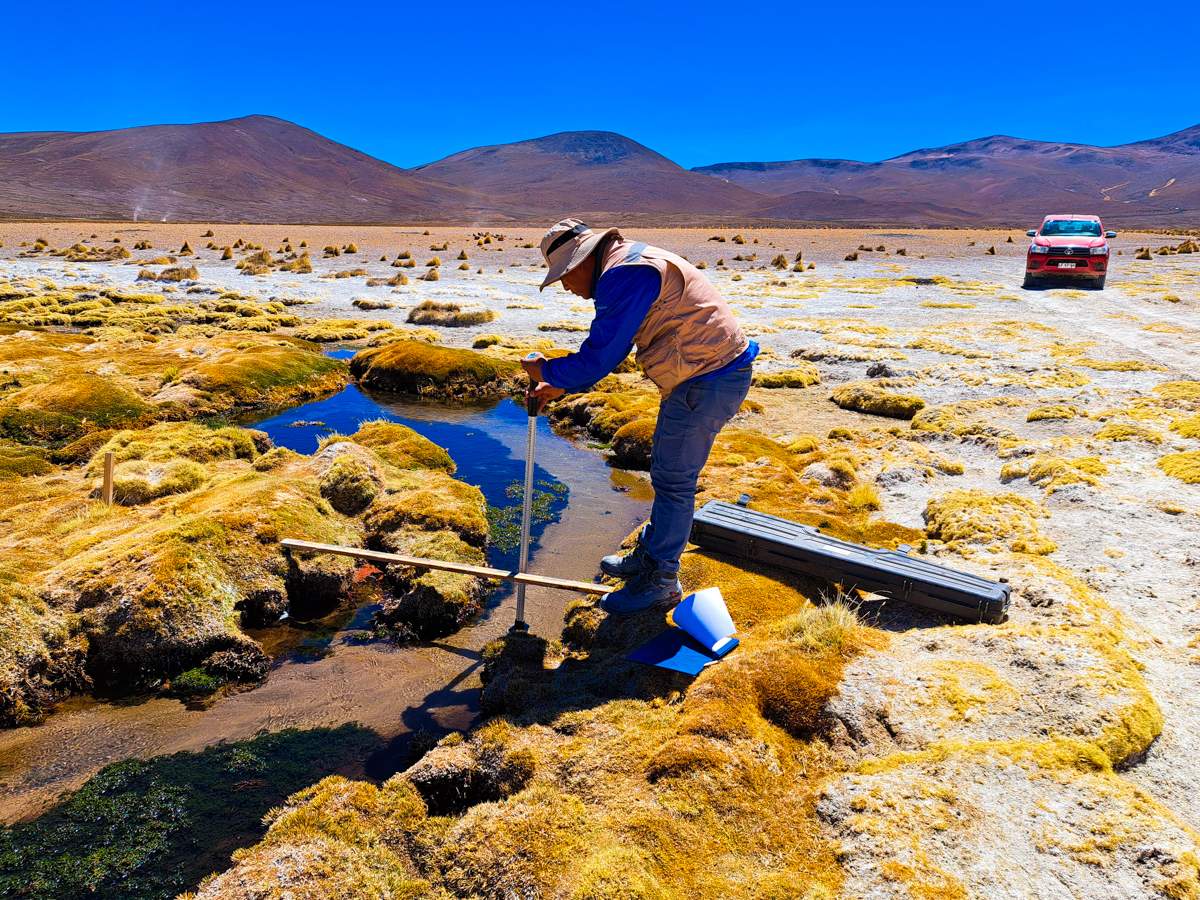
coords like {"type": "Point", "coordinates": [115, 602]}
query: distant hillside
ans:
{"type": "Point", "coordinates": [1006, 180]}
{"type": "Point", "coordinates": [583, 171]}
{"type": "Point", "coordinates": [826, 206]}
{"type": "Point", "coordinates": [262, 169]}
{"type": "Point", "coordinates": [255, 169]}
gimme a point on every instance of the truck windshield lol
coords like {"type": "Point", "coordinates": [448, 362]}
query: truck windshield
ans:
{"type": "Point", "coordinates": [1082, 227]}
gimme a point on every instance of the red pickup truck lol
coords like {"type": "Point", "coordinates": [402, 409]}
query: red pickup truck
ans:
{"type": "Point", "coordinates": [1074, 247]}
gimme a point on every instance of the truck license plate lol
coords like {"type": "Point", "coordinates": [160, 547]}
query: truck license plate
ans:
{"type": "Point", "coordinates": [1066, 265]}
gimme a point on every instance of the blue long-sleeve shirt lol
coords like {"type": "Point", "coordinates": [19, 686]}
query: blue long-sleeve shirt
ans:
{"type": "Point", "coordinates": [622, 298]}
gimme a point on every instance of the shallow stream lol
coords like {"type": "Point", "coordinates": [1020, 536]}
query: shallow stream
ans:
{"type": "Point", "coordinates": [323, 675]}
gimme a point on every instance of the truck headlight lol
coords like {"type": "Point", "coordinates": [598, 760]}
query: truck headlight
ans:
{"type": "Point", "coordinates": [1100, 251]}
{"type": "Point", "coordinates": [1039, 248]}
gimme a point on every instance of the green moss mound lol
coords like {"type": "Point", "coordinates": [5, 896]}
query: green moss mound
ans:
{"type": "Point", "coordinates": [633, 445]}
{"type": "Point", "coordinates": [450, 315]}
{"type": "Point", "coordinates": [349, 485]}
{"type": "Point", "coordinates": [80, 451]}
{"type": "Point", "coordinates": [69, 406]}
{"type": "Point", "coordinates": [195, 683]}
{"type": "Point", "coordinates": [18, 461]}
{"type": "Point", "coordinates": [994, 521]}
{"type": "Point", "coordinates": [328, 330]}
{"type": "Point", "coordinates": [796, 377]}
{"type": "Point", "coordinates": [432, 501]}
{"type": "Point", "coordinates": [168, 441]}
{"type": "Point", "coordinates": [866, 397]}
{"type": "Point", "coordinates": [415, 367]}
{"type": "Point", "coordinates": [1184, 466]}
{"type": "Point", "coordinates": [139, 481]}
{"type": "Point", "coordinates": [165, 594]}
{"type": "Point", "coordinates": [400, 446]}
{"type": "Point", "coordinates": [603, 413]}
{"type": "Point", "coordinates": [263, 373]}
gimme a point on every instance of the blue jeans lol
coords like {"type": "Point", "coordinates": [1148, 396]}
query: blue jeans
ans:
{"type": "Point", "coordinates": [688, 423]}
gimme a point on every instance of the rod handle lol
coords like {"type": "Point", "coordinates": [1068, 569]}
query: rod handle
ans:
{"type": "Point", "coordinates": [532, 403]}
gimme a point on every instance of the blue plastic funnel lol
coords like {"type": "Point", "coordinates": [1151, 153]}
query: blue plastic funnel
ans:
{"type": "Point", "coordinates": [704, 616]}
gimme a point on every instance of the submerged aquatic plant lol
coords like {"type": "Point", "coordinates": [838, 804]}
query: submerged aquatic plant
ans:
{"type": "Point", "coordinates": [504, 522]}
{"type": "Point", "coordinates": [154, 828]}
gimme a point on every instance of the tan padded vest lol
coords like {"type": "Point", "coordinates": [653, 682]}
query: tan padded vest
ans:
{"type": "Point", "coordinates": [690, 329]}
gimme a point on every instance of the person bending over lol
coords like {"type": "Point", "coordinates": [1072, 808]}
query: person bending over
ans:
{"type": "Point", "coordinates": [689, 344]}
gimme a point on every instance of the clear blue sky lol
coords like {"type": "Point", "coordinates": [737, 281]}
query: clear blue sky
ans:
{"type": "Point", "coordinates": [699, 82]}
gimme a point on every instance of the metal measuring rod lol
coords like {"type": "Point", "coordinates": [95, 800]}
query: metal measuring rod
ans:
{"type": "Point", "coordinates": [531, 407]}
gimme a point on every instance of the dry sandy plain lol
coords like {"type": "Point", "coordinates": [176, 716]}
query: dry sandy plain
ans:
{"type": "Point", "coordinates": [1099, 543]}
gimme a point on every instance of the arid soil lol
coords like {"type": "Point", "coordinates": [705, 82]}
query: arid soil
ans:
{"type": "Point", "coordinates": [1046, 436]}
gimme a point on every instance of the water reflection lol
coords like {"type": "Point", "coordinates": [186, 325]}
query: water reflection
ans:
{"type": "Point", "coordinates": [486, 441]}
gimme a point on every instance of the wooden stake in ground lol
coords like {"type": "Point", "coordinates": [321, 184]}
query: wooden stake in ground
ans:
{"type": "Point", "coordinates": [583, 587]}
{"type": "Point", "coordinates": [108, 478]}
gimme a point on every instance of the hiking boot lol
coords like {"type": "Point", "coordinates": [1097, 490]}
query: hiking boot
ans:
{"type": "Point", "coordinates": [645, 590]}
{"type": "Point", "coordinates": [626, 566]}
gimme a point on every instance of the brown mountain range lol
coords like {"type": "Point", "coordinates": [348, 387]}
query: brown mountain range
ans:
{"type": "Point", "coordinates": [598, 171]}
{"type": "Point", "coordinates": [1004, 180]}
{"type": "Point", "coordinates": [262, 169]}
{"type": "Point", "coordinates": [255, 169]}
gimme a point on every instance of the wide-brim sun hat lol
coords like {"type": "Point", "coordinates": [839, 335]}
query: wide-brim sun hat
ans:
{"type": "Point", "coordinates": [567, 245]}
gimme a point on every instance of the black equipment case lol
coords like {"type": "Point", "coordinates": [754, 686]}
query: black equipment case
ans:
{"type": "Point", "coordinates": [740, 531]}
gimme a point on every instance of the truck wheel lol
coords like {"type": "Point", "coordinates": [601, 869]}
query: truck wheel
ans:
{"type": "Point", "coordinates": [1098, 284]}
{"type": "Point", "coordinates": [1030, 282]}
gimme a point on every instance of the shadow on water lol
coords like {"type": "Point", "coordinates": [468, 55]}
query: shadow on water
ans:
{"type": "Point", "coordinates": [152, 820]}
{"type": "Point", "coordinates": [459, 691]}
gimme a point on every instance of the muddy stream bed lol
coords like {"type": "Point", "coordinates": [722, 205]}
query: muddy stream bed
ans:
{"type": "Point", "coordinates": [325, 673]}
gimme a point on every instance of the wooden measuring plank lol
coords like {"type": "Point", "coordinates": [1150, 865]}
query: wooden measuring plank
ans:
{"type": "Point", "coordinates": [583, 587]}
